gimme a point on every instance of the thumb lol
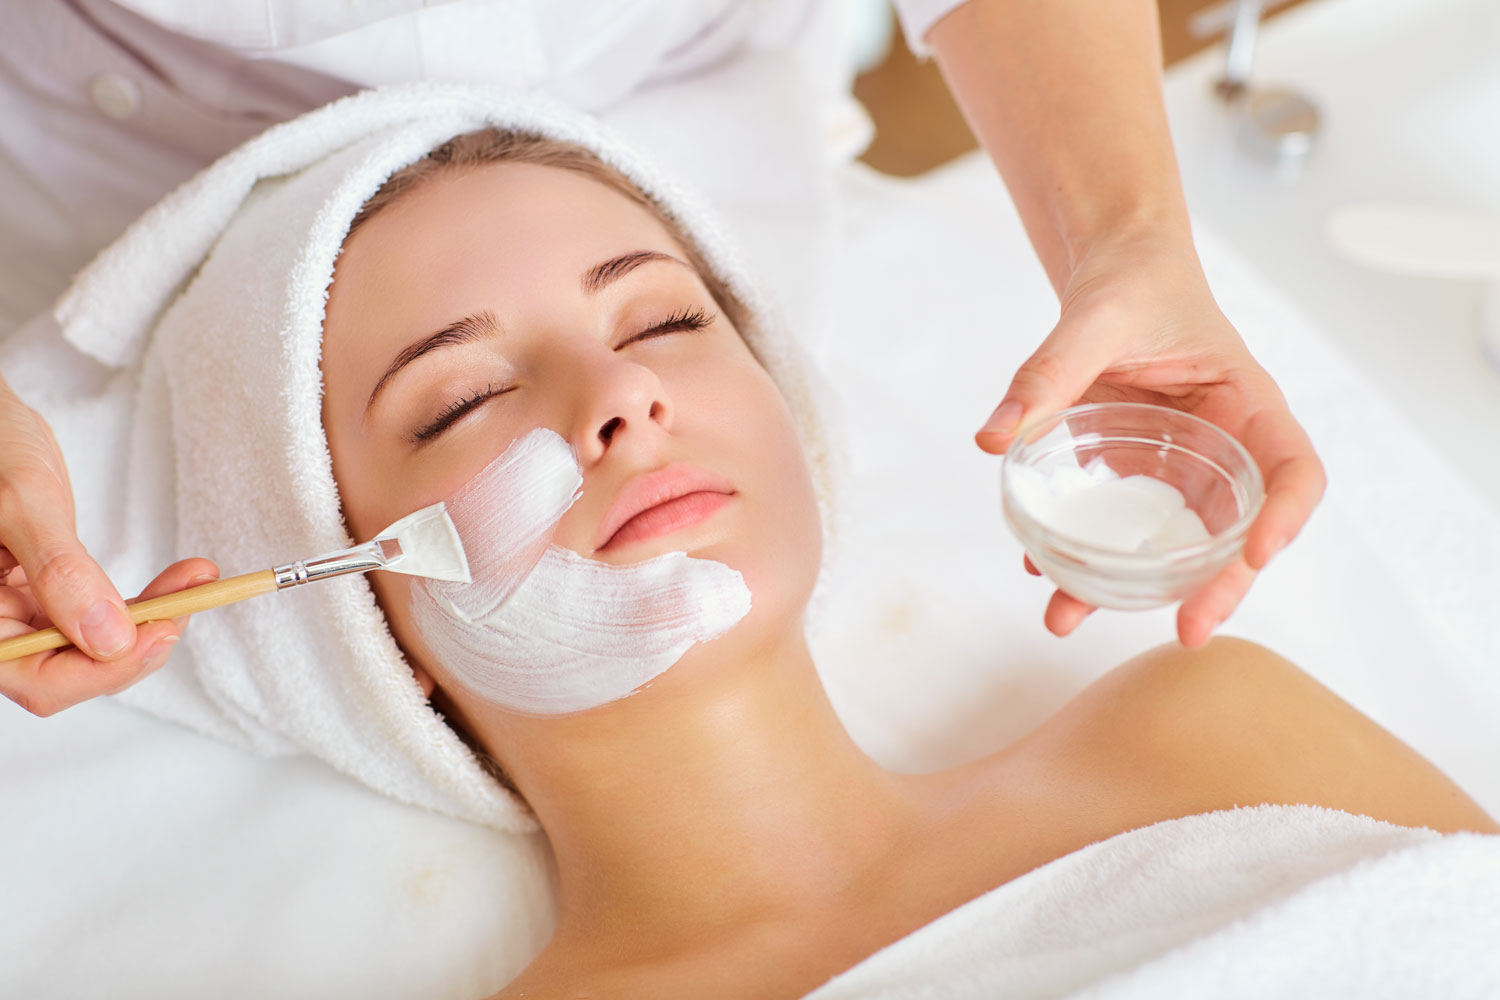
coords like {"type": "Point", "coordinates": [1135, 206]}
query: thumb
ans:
{"type": "Point", "coordinates": [1053, 378]}
{"type": "Point", "coordinates": [75, 594]}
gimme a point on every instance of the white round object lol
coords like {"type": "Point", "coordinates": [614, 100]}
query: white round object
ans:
{"type": "Point", "coordinates": [115, 94]}
{"type": "Point", "coordinates": [1417, 239]}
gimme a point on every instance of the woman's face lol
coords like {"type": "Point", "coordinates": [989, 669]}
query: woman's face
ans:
{"type": "Point", "coordinates": [560, 303]}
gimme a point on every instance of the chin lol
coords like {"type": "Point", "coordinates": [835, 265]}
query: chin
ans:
{"type": "Point", "coordinates": [779, 582]}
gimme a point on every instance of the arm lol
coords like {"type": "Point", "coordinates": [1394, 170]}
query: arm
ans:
{"type": "Point", "coordinates": [1066, 97]}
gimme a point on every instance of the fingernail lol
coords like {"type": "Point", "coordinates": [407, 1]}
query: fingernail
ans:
{"type": "Point", "coordinates": [106, 629]}
{"type": "Point", "coordinates": [203, 578]}
{"type": "Point", "coordinates": [160, 652]}
{"type": "Point", "coordinates": [1005, 418]}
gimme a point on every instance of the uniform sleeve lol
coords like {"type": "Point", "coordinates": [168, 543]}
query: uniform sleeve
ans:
{"type": "Point", "coordinates": [917, 16]}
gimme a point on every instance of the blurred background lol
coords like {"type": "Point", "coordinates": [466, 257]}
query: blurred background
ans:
{"type": "Point", "coordinates": [917, 125]}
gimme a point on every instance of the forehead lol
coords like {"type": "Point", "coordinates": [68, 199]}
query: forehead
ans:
{"type": "Point", "coordinates": [499, 233]}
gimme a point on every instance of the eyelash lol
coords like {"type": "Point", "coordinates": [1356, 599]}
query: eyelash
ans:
{"type": "Point", "coordinates": [451, 413]}
{"type": "Point", "coordinates": [688, 320]}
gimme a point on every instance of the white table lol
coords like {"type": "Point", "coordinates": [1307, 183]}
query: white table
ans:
{"type": "Point", "coordinates": [1410, 97]}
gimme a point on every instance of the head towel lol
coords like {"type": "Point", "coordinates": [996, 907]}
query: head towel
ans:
{"type": "Point", "coordinates": [207, 436]}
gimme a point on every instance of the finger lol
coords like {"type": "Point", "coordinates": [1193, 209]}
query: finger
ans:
{"type": "Point", "coordinates": [1074, 354]}
{"type": "Point", "coordinates": [47, 683]}
{"type": "Point", "coordinates": [7, 561]}
{"type": "Point", "coordinates": [1064, 613]}
{"type": "Point", "coordinates": [180, 575]}
{"type": "Point", "coordinates": [18, 606]}
{"type": "Point", "coordinates": [1203, 612]}
{"type": "Point", "coordinates": [50, 682]}
{"type": "Point", "coordinates": [71, 588]}
{"type": "Point", "coordinates": [1295, 481]}
{"type": "Point", "coordinates": [1295, 489]}
{"type": "Point", "coordinates": [155, 657]}
{"type": "Point", "coordinates": [1030, 566]}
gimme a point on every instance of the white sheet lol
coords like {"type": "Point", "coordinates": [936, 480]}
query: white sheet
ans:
{"type": "Point", "coordinates": [149, 862]}
{"type": "Point", "coordinates": [1279, 901]}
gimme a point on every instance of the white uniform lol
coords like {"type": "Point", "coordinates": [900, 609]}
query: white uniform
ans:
{"type": "Point", "coordinates": [108, 104]}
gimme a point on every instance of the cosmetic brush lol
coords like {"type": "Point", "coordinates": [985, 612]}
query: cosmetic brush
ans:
{"type": "Point", "coordinates": [423, 543]}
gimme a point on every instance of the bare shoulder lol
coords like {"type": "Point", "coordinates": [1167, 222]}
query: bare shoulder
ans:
{"type": "Point", "coordinates": [1179, 731]}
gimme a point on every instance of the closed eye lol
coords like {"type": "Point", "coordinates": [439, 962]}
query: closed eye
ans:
{"type": "Point", "coordinates": [686, 320]}
{"type": "Point", "coordinates": [453, 411]}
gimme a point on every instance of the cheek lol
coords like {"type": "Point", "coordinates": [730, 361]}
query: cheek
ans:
{"type": "Point", "coordinates": [778, 544]}
{"type": "Point", "coordinates": [369, 501]}
{"type": "Point", "coordinates": [794, 532]}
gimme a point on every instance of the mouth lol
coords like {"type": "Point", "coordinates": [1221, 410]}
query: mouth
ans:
{"type": "Point", "coordinates": [662, 502]}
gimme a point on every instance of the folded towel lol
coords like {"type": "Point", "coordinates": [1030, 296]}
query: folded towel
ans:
{"type": "Point", "coordinates": [1265, 901]}
{"type": "Point", "coordinates": [203, 434]}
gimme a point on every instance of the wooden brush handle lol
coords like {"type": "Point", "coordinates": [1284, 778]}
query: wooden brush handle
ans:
{"type": "Point", "coordinates": [183, 602]}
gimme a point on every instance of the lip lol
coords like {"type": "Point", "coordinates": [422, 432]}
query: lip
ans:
{"type": "Point", "coordinates": [652, 490]}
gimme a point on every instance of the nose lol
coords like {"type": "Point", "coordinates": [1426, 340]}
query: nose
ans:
{"type": "Point", "coordinates": [620, 405]}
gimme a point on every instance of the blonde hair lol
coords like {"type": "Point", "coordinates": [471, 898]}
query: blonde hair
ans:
{"type": "Point", "coordinates": [490, 146]}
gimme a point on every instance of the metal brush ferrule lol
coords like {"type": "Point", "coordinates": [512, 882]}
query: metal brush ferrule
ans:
{"type": "Point", "coordinates": [362, 558]}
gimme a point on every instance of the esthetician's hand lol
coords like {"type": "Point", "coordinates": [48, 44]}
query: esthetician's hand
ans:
{"type": "Point", "coordinates": [49, 682]}
{"type": "Point", "coordinates": [1139, 324]}
{"type": "Point", "coordinates": [47, 577]}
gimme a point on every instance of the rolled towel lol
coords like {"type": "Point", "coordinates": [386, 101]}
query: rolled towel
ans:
{"type": "Point", "coordinates": [203, 434]}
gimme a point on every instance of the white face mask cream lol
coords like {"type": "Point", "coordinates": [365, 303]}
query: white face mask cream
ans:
{"type": "Point", "coordinates": [541, 629]}
{"type": "Point", "coordinates": [1095, 505]}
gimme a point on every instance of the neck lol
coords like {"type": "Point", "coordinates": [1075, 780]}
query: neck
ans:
{"type": "Point", "coordinates": [725, 792]}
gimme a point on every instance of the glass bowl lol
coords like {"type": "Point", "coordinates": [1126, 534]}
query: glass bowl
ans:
{"type": "Point", "coordinates": [1215, 475]}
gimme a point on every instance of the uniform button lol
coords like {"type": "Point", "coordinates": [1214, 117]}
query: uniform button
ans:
{"type": "Point", "coordinates": [115, 95]}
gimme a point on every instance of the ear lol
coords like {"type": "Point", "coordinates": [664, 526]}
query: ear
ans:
{"type": "Point", "coordinates": [425, 681]}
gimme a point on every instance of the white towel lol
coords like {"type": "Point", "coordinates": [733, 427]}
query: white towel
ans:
{"type": "Point", "coordinates": [202, 433]}
{"type": "Point", "coordinates": [1266, 901]}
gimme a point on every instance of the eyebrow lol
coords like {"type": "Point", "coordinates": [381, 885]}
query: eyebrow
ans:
{"type": "Point", "coordinates": [600, 275]}
{"type": "Point", "coordinates": [465, 331]}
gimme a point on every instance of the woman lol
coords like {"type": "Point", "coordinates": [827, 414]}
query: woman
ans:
{"type": "Point", "coordinates": [717, 832]}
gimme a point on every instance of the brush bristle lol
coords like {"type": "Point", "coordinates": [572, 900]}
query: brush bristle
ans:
{"type": "Point", "coordinates": [430, 546]}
